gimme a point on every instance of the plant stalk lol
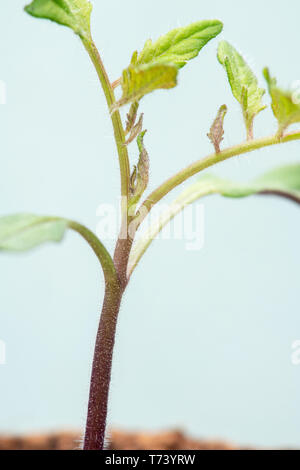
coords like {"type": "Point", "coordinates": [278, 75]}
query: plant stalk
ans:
{"type": "Point", "coordinates": [121, 254]}
{"type": "Point", "coordinates": [101, 369]}
{"type": "Point", "coordinates": [114, 288]}
{"type": "Point", "coordinates": [102, 362]}
{"type": "Point", "coordinates": [108, 267]}
{"type": "Point", "coordinates": [116, 122]}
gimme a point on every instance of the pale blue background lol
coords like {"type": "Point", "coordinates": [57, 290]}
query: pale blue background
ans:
{"type": "Point", "coordinates": [204, 339]}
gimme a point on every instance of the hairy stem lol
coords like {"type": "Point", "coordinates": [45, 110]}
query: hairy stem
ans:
{"type": "Point", "coordinates": [114, 287]}
{"type": "Point", "coordinates": [250, 132]}
{"type": "Point", "coordinates": [101, 369]}
{"type": "Point", "coordinates": [121, 258]}
{"type": "Point", "coordinates": [116, 122]}
{"type": "Point", "coordinates": [116, 83]}
{"type": "Point", "coordinates": [108, 267]}
{"type": "Point", "coordinates": [102, 363]}
{"type": "Point", "coordinates": [210, 160]}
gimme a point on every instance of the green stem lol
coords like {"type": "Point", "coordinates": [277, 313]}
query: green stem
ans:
{"type": "Point", "coordinates": [109, 270]}
{"type": "Point", "coordinates": [207, 162]}
{"type": "Point", "coordinates": [116, 122]}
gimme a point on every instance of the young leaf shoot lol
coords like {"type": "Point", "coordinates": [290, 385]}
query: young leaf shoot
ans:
{"type": "Point", "coordinates": [243, 82]}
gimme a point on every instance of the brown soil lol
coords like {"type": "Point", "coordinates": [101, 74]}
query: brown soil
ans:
{"type": "Point", "coordinates": [119, 440]}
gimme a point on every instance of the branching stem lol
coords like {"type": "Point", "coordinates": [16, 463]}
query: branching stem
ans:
{"type": "Point", "coordinates": [210, 160]}
{"type": "Point", "coordinates": [114, 286]}
{"type": "Point", "coordinates": [108, 267]}
{"type": "Point", "coordinates": [115, 271]}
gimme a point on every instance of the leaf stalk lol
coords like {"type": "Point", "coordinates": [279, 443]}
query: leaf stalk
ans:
{"type": "Point", "coordinates": [210, 160]}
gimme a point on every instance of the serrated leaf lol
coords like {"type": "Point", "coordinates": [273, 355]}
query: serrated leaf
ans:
{"type": "Point", "coordinates": [284, 182]}
{"type": "Point", "coordinates": [149, 69]}
{"type": "Point", "coordinates": [243, 82]}
{"type": "Point", "coordinates": [217, 131]}
{"type": "Point", "coordinates": [139, 81]}
{"type": "Point", "coordinates": [180, 45]}
{"type": "Point", "coordinates": [284, 107]}
{"type": "Point", "coordinates": [22, 232]}
{"type": "Point", "coordinates": [72, 13]}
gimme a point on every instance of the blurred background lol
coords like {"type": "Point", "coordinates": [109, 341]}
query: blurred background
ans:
{"type": "Point", "coordinates": [205, 338]}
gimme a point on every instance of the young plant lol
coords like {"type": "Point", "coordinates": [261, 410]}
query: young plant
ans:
{"type": "Point", "coordinates": [156, 66]}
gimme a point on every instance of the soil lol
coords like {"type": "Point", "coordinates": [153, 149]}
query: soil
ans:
{"type": "Point", "coordinates": [118, 440]}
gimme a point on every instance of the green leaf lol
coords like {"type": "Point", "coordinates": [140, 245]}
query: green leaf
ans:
{"type": "Point", "coordinates": [284, 181]}
{"type": "Point", "coordinates": [139, 81]}
{"type": "Point", "coordinates": [243, 82]}
{"type": "Point", "coordinates": [72, 13]}
{"type": "Point", "coordinates": [22, 232]}
{"type": "Point", "coordinates": [157, 65]}
{"type": "Point", "coordinates": [284, 106]}
{"type": "Point", "coordinates": [180, 45]}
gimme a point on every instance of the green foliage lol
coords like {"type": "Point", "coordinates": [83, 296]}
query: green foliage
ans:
{"type": "Point", "coordinates": [72, 13]}
{"type": "Point", "coordinates": [217, 131]}
{"type": "Point", "coordinates": [284, 181]}
{"type": "Point", "coordinates": [139, 81]}
{"type": "Point", "coordinates": [179, 45]}
{"type": "Point", "coordinates": [284, 107]}
{"type": "Point", "coordinates": [156, 67]}
{"type": "Point", "coordinates": [157, 64]}
{"type": "Point", "coordinates": [22, 232]}
{"type": "Point", "coordinates": [243, 82]}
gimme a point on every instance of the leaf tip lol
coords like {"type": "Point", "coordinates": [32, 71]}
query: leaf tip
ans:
{"type": "Point", "coordinates": [74, 14]}
{"type": "Point", "coordinates": [267, 76]}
